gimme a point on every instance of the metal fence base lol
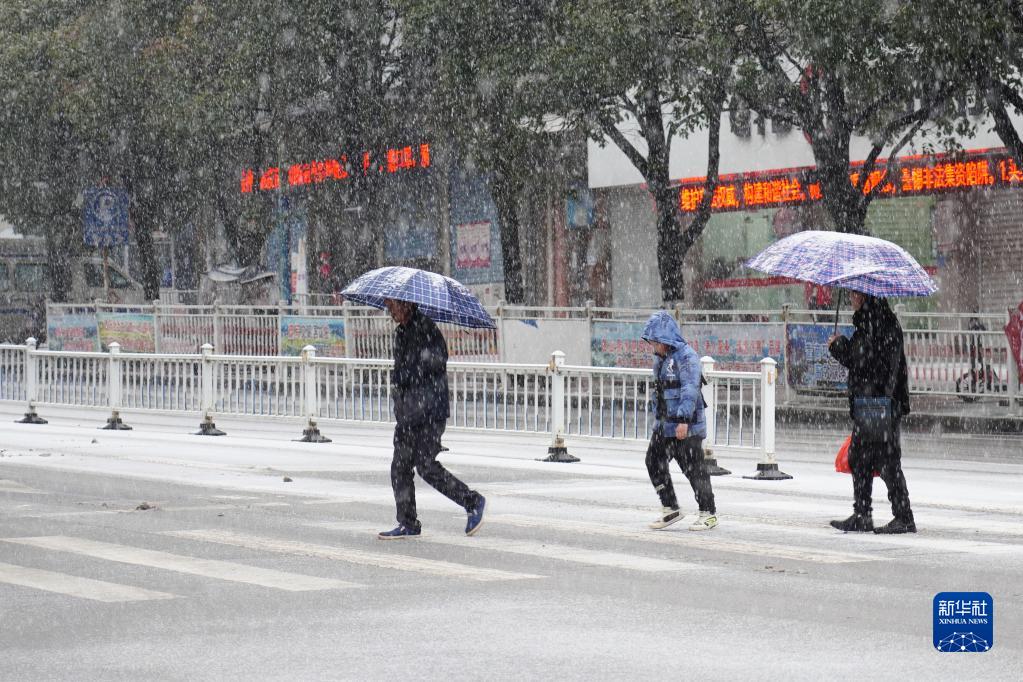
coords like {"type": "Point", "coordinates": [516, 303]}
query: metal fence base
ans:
{"type": "Point", "coordinates": [31, 418]}
{"type": "Point", "coordinates": [208, 428]}
{"type": "Point", "coordinates": [114, 423]}
{"type": "Point", "coordinates": [311, 434]}
{"type": "Point", "coordinates": [558, 454]}
{"type": "Point", "coordinates": [768, 471]}
{"type": "Point", "coordinates": [711, 463]}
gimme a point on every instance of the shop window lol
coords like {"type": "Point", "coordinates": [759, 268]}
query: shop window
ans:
{"type": "Point", "coordinates": [33, 277]}
{"type": "Point", "coordinates": [94, 277]}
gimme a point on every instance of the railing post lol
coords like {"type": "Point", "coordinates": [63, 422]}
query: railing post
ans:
{"type": "Point", "coordinates": [206, 426]}
{"type": "Point", "coordinates": [31, 384]}
{"type": "Point", "coordinates": [218, 327]}
{"type": "Point", "coordinates": [785, 350]}
{"type": "Point", "coordinates": [557, 452]}
{"type": "Point", "coordinates": [767, 467]}
{"type": "Point", "coordinates": [310, 398]}
{"type": "Point", "coordinates": [346, 317]}
{"type": "Point", "coordinates": [114, 422]}
{"type": "Point", "coordinates": [500, 331]}
{"type": "Point", "coordinates": [156, 326]}
{"type": "Point", "coordinates": [709, 393]}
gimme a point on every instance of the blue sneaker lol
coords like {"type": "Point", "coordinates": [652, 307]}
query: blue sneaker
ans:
{"type": "Point", "coordinates": [476, 517]}
{"type": "Point", "coordinates": [400, 533]}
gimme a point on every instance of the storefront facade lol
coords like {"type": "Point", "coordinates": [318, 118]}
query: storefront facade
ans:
{"type": "Point", "coordinates": [960, 215]}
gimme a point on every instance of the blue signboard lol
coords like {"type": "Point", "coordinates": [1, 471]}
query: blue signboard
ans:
{"type": "Point", "coordinates": [619, 344]}
{"type": "Point", "coordinates": [579, 209]}
{"type": "Point", "coordinates": [476, 256]}
{"type": "Point", "coordinates": [810, 365]}
{"type": "Point", "coordinates": [105, 214]}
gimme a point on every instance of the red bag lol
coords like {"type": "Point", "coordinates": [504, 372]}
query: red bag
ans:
{"type": "Point", "coordinates": [842, 458]}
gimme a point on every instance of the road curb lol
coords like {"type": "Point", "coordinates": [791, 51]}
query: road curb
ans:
{"type": "Point", "coordinates": [917, 421]}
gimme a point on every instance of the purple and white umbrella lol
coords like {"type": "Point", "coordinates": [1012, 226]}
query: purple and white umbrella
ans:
{"type": "Point", "coordinates": [849, 261]}
{"type": "Point", "coordinates": [440, 298]}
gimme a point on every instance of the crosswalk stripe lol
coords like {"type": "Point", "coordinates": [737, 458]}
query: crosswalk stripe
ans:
{"type": "Point", "coordinates": [685, 538]}
{"type": "Point", "coordinates": [536, 549]}
{"type": "Point", "coordinates": [9, 486]}
{"type": "Point", "coordinates": [354, 556]}
{"type": "Point", "coordinates": [208, 568]}
{"type": "Point", "coordinates": [74, 586]}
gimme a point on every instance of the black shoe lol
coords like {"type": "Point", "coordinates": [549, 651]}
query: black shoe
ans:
{"type": "Point", "coordinates": [857, 523]}
{"type": "Point", "coordinates": [895, 527]}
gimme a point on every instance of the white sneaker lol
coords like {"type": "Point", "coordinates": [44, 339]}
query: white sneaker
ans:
{"type": "Point", "coordinates": [706, 521]}
{"type": "Point", "coordinates": [668, 516]}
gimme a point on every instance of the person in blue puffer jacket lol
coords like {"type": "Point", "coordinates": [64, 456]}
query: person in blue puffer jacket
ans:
{"type": "Point", "coordinates": [680, 426]}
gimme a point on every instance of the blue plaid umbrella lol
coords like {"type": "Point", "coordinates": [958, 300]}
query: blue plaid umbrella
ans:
{"type": "Point", "coordinates": [441, 298]}
{"type": "Point", "coordinates": [849, 261]}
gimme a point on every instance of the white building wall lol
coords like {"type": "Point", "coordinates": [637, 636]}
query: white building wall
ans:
{"type": "Point", "coordinates": [635, 281]}
{"type": "Point", "coordinates": [609, 167]}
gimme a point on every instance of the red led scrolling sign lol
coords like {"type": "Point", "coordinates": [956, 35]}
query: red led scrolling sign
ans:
{"type": "Point", "coordinates": [395, 160]}
{"type": "Point", "coordinates": [792, 187]}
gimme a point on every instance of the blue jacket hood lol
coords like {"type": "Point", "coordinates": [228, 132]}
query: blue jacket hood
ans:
{"type": "Point", "coordinates": [662, 327]}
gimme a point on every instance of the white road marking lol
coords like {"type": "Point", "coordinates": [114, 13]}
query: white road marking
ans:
{"type": "Point", "coordinates": [536, 549]}
{"type": "Point", "coordinates": [84, 588]}
{"type": "Point", "coordinates": [155, 507]}
{"type": "Point", "coordinates": [396, 562]}
{"type": "Point", "coordinates": [686, 538]}
{"type": "Point", "coordinates": [209, 568]}
{"type": "Point", "coordinates": [9, 486]}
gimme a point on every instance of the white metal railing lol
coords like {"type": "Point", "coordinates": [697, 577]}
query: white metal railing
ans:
{"type": "Point", "coordinates": [558, 399]}
{"type": "Point", "coordinates": [947, 354]}
{"type": "Point", "coordinates": [12, 372]}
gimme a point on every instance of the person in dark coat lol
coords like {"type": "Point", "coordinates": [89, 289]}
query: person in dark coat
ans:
{"type": "Point", "coordinates": [876, 362]}
{"type": "Point", "coordinates": [419, 388]}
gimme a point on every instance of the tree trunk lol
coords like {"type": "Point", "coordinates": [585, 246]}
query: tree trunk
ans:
{"type": "Point", "coordinates": [147, 255]}
{"type": "Point", "coordinates": [846, 205]}
{"type": "Point", "coordinates": [61, 250]}
{"type": "Point", "coordinates": [506, 192]}
{"type": "Point", "coordinates": [670, 251]}
{"type": "Point", "coordinates": [141, 213]}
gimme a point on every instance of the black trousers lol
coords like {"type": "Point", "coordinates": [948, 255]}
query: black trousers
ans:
{"type": "Point", "coordinates": [415, 450]}
{"type": "Point", "coordinates": [689, 455]}
{"type": "Point", "coordinates": [885, 458]}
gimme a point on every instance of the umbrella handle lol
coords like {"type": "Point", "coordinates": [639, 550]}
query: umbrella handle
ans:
{"type": "Point", "coordinates": [838, 307]}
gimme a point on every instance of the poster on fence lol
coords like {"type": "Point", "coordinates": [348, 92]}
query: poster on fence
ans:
{"type": "Point", "coordinates": [136, 332]}
{"type": "Point", "coordinates": [72, 331]}
{"type": "Point", "coordinates": [325, 334]}
{"type": "Point", "coordinates": [810, 365]}
{"type": "Point", "coordinates": [473, 245]}
{"type": "Point", "coordinates": [737, 347]}
{"type": "Point", "coordinates": [619, 344]}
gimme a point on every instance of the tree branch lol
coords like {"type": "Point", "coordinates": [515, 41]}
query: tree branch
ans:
{"type": "Point", "coordinates": [1003, 123]}
{"type": "Point", "coordinates": [611, 130]}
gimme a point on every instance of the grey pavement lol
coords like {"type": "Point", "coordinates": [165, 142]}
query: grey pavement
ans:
{"type": "Point", "coordinates": [227, 571]}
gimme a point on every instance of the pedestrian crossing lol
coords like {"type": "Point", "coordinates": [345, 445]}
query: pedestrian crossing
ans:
{"type": "Point", "coordinates": [348, 557]}
{"type": "Point", "coordinates": [354, 556]}
{"type": "Point", "coordinates": [74, 586]}
{"type": "Point", "coordinates": [541, 550]}
{"type": "Point", "coordinates": [207, 568]}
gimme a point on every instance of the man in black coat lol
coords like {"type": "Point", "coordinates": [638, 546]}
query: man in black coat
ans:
{"type": "Point", "coordinates": [419, 388]}
{"type": "Point", "coordinates": [876, 362]}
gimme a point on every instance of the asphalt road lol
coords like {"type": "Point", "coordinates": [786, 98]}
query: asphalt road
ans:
{"type": "Point", "coordinates": [233, 573]}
